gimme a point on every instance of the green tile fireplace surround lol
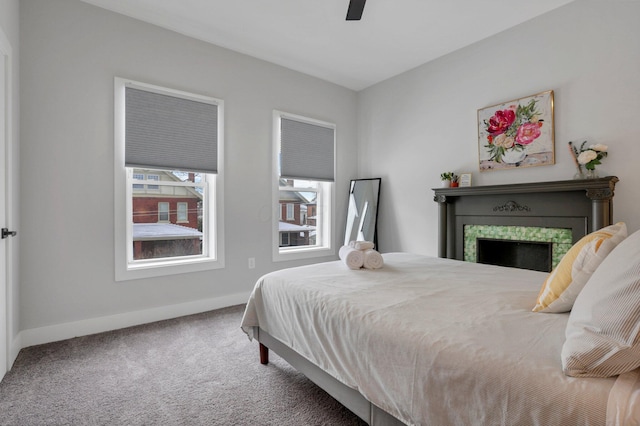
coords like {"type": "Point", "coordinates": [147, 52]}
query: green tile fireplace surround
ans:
{"type": "Point", "coordinates": [557, 212]}
{"type": "Point", "coordinates": [560, 239]}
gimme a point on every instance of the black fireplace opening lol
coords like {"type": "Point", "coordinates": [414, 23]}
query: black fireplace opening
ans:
{"type": "Point", "coordinates": [533, 255]}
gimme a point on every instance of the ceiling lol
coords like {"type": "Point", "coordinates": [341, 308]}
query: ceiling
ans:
{"type": "Point", "coordinates": [313, 37]}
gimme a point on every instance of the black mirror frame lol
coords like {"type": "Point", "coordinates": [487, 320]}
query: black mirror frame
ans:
{"type": "Point", "coordinates": [375, 224]}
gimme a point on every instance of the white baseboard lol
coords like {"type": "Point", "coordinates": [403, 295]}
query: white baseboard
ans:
{"type": "Point", "coordinates": [14, 348]}
{"type": "Point", "coordinates": [53, 333]}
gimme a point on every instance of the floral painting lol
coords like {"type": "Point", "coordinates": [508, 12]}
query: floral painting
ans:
{"type": "Point", "coordinates": [517, 133]}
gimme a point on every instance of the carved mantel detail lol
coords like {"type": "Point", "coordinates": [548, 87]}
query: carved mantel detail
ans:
{"type": "Point", "coordinates": [600, 194]}
{"type": "Point", "coordinates": [511, 206]}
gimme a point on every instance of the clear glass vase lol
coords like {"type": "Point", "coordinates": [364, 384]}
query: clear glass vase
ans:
{"type": "Point", "coordinates": [586, 174]}
{"type": "Point", "coordinates": [591, 174]}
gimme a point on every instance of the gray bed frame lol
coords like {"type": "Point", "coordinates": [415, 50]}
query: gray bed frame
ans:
{"type": "Point", "coordinates": [582, 205]}
{"type": "Point", "coordinates": [350, 398]}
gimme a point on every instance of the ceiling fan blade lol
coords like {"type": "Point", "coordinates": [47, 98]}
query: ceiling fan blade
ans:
{"type": "Point", "coordinates": [356, 7]}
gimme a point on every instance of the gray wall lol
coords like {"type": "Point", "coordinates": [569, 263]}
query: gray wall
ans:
{"type": "Point", "coordinates": [416, 125]}
{"type": "Point", "coordinates": [71, 52]}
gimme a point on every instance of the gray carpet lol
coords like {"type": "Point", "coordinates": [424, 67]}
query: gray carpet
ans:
{"type": "Point", "coordinates": [195, 370]}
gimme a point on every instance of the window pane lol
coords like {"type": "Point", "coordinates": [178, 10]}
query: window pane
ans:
{"type": "Point", "coordinates": [153, 177]}
{"type": "Point", "coordinates": [167, 221]}
{"type": "Point", "coordinates": [138, 176]}
{"type": "Point", "coordinates": [298, 204]}
{"type": "Point", "coordinates": [182, 211]}
{"type": "Point", "coordinates": [163, 212]}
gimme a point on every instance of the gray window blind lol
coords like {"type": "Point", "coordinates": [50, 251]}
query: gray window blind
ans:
{"type": "Point", "coordinates": [306, 151]}
{"type": "Point", "coordinates": [170, 133]}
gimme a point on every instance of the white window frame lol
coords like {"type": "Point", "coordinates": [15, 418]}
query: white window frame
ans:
{"type": "Point", "coordinates": [325, 203]}
{"type": "Point", "coordinates": [213, 222]}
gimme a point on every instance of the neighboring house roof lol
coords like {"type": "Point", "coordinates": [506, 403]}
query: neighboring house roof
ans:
{"type": "Point", "coordinates": [163, 231]}
{"type": "Point", "coordinates": [292, 197]}
{"type": "Point", "coordinates": [295, 196]}
{"type": "Point", "coordinates": [290, 227]}
{"type": "Point", "coordinates": [171, 177]}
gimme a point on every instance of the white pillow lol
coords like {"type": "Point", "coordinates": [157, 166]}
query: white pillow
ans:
{"type": "Point", "coordinates": [603, 331]}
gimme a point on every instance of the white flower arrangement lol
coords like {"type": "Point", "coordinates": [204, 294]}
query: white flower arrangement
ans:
{"type": "Point", "coordinates": [588, 157]}
{"type": "Point", "coordinates": [591, 156]}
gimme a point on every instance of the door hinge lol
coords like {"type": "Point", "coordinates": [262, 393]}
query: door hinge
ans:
{"type": "Point", "coordinates": [6, 233]}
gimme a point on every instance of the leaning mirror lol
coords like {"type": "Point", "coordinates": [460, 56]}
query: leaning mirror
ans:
{"type": "Point", "coordinates": [362, 212]}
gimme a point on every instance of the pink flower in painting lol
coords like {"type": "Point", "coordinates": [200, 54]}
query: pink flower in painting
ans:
{"type": "Point", "coordinates": [527, 133]}
{"type": "Point", "coordinates": [501, 121]}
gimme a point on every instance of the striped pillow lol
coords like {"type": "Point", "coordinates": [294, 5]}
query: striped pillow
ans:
{"type": "Point", "coordinates": [563, 284]}
{"type": "Point", "coordinates": [603, 331]}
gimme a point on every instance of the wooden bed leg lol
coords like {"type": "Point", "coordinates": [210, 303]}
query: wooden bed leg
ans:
{"type": "Point", "coordinates": [264, 354]}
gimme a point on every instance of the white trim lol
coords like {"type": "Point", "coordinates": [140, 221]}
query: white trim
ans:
{"type": "Point", "coordinates": [303, 119]}
{"type": "Point", "coordinates": [7, 51]}
{"type": "Point", "coordinates": [173, 92]}
{"type": "Point", "coordinates": [214, 258]}
{"type": "Point", "coordinates": [15, 348]}
{"type": "Point", "coordinates": [68, 330]}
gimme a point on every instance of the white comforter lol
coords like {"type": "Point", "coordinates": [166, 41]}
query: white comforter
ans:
{"type": "Point", "coordinates": [437, 342]}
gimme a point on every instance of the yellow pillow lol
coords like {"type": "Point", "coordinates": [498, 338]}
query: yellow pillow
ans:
{"type": "Point", "coordinates": [563, 284]}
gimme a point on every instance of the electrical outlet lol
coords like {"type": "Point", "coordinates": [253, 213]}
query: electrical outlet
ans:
{"type": "Point", "coordinates": [252, 262]}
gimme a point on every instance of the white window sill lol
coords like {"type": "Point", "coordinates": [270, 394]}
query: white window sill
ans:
{"type": "Point", "coordinates": [152, 269]}
{"type": "Point", "coordinates": [296, 253]}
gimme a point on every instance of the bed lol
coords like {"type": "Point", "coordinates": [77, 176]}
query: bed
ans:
{"type": "Point", "coordinates": [432, 341]}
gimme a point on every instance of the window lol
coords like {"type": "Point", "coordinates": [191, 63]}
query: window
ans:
{"type": "Point", "coordinates": [153, 177]}
{"type": "Point", "coordinates": [141, 176]}
{"type": "Point", "coordinates": [158, 230]}
{"type": "Point", "coordinates": [138, 186]}
{"type": "Point", "coordinates": [163, 212]}
{"type": "Point", "coordinates": [168, 181]}
{"type": "Point", "coordinates": [304, 169]}
{"type": "Point", "coordinates": [182, 212]}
